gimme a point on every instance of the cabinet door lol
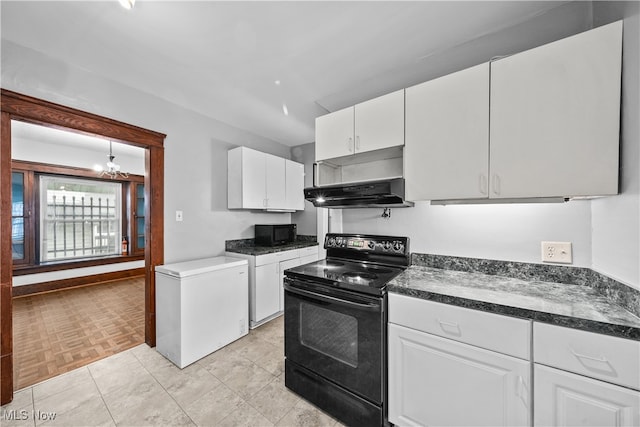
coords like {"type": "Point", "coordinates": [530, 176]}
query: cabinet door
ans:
{"type": "Point", "coordinates": [437, 381]}
{"type": "Point", "coordinates": [275, 178]}
{"type": "Point", "coordinates": [334, 134]}
{"type": "Point", "coordinates": [447, 137]}
{"type": "Point", "coordinates": [267, 294]}
{"type": "Point", "coordinates": [295, 185]}
{"type": "Point", "coordinates": [566, 399]}
{"type": "Point", "coordinates": [253, 179]}
{"type": "Point", "coordinates": [379, 122]}
{"type": "Point", "coordinates": [555, 116]}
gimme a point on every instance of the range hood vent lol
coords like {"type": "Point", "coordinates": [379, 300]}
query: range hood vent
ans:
{"type": "Point", "coordinates": [372, 194]}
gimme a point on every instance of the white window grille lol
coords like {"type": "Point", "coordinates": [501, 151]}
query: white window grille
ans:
{"type": "Point", "coordinates": [79, 218]}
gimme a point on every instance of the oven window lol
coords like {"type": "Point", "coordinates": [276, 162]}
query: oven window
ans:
{"type": "Point", "coordinates": [330, 333]}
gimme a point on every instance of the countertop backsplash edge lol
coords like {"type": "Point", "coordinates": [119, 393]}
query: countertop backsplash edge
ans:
{"type": "Point", "coordinates": [248, 246]}
{"type": "Point", "coordinates": [616, 292]}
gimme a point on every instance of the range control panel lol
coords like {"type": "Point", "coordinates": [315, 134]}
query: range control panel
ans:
{"type": "Point", "coordinates": [360, 242]}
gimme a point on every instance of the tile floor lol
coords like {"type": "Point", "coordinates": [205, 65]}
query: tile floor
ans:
{"type": "Point", "coordinates": [241, 384]}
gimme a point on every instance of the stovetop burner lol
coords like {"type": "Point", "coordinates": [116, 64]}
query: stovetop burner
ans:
{"type": "Point", "coordinates": [334, 263]}
{"type": "Point", "coordinates": [360, 275]}
{"type": "Point", "coordinates": [361, 263]}
{"type": "Point", "coordinates": [352, 275]}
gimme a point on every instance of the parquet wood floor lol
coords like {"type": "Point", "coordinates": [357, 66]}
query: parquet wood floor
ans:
{"type": "Point", "coordinates": [60, 331]}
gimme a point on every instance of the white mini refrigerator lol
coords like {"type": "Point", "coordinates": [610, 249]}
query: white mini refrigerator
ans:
{"type": "Point", "coordinates": [201, 306]}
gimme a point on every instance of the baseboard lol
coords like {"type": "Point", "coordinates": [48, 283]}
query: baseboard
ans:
{"type": "Point", "coordinates": [75, 282]}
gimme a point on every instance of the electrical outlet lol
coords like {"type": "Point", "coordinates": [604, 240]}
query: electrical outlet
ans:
{"type": "Point", "coordinates": [558, 252]}
{"type": "Point", "coordinates": [179, 216]}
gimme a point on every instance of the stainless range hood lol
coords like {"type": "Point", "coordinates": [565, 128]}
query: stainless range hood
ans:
{"type": "Point", "coordinates": [387, 193]}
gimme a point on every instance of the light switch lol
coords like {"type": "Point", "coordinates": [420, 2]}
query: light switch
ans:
{"type": "Point", "coordinates": [179, 216]}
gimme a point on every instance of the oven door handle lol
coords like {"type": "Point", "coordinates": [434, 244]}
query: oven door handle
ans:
{"type": "Point", "coordinates": [334, 300]}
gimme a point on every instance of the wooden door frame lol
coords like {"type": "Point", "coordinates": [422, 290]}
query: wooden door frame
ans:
{"type": "Point", "coordinates": [15, 106]}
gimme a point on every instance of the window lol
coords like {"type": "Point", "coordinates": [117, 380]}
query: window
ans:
{"type": "Point", "coordinates": [79, 218]}
{"type": "Point", "coordinates": [137, 233]}
{"type": "Point", "coordinates": [17, 216]}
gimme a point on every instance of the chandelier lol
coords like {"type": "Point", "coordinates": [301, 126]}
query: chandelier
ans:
{"type": "Point", "coordinates": [113, 169]}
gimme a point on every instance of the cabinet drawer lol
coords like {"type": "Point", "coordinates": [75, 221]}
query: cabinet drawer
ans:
{"type": "Point", "coordinates": [495, 332]}
{"type": "Point", "coordinates": [593, 355]}
{"type": "Point", "coordinates": [310, 250]}
{"type": "Point", "coordinates": [276, 257]}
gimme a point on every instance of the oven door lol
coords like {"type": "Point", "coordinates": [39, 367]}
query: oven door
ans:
{"type": "Point", "coordinates": [336, 334]}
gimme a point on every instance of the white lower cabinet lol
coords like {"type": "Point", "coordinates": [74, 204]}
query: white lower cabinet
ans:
{"type": "Point", "coordinates": [266, 274]}
{"type": "Point", "coordinates": [266, 299]}
{"type": "Point", "coordinates": [453, 366]}
{"type": "Point", "coordinates": [585, 379]}
{"type": "Point", "coordinates": [438, 381]}
{"type": "Point", "coordinates": [566, 399]}
{"type": "Point", "coordinates": [436, 377]}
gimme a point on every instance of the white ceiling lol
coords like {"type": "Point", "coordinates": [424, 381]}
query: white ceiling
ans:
{"type": "Point", "coordinates": [222, 59]}
{"type": "Point", "coordinates": [26, 131]}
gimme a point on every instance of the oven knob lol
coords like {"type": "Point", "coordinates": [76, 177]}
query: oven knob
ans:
{"type": "Point", "coordinates": [397, 246]}
{"type": "Point", "coordinates": [387, 245]}
{"type": "Point", "coordinates": [332, 241]}
{"type": "Point", "coordinates": [371, 244]}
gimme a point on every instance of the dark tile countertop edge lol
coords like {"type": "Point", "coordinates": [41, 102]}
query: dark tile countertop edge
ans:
{"type": "Point", "coordinates": [248, 247]}
{"type": "Point", "coordinates": [616, 292]}
{"type": "Point", "coordinates": [621, 331]}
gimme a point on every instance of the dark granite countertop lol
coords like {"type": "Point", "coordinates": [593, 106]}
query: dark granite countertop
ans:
{"type": "Point", "coordinates": [570, 305]}
{"type": "Point", "coordinates": [248, 247]}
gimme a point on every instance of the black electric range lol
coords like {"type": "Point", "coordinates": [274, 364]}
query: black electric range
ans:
{"type": "Point", "coordinates": [335, 326]}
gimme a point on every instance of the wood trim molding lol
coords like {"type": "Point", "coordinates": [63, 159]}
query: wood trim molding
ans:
{"type": "Point", "coordinates": [6, 263]}
{"type": "Point", "coordinates": [33, 110]}
{"type": "Point", "coordinates": [15, 106]}
{"type": "Point", "coordinates": [75, 282]}
{"type": "Point", "coordinates": [154, 234]}
{"type": "Point", "coordinates": [45, 268]}
{"type": "Point", "coordinates": [68, 171]}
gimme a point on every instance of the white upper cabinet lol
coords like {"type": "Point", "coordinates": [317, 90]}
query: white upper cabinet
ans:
{"type": "Point", "coordinates": [379, 122]}
{"type": "Point", "coordinates": [246, 179]}
{"type": "Point", "coordinates": [275, 182]}
{"type": "Point", "coordinates": [447, 137]}
{"type": "Point", "coordinates": [259, 180]}
{"type": "Point", "coordinates": [334, 134]}
{"type": "Point", "coordinates": [370, 125]}
{"type": "Point", "coordinates": [294, 185]}
{"type": "Point", "coordinates": [541, 123]}
{"type": "Point", "coordinates": [555, 114]}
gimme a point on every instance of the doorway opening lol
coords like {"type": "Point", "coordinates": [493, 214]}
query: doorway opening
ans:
{"type": "Point", "coordinates": [77, 250]}
{"type": "Point", "coordinates": [23, 108]}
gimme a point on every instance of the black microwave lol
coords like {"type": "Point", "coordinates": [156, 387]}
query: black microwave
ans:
{"type": "Point", "coordinates": [275, 234]}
